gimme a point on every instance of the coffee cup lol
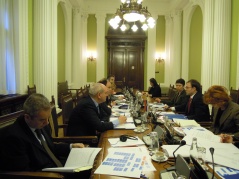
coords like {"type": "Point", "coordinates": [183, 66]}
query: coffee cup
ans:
{"type": "Point", "coordinates": [159, 155]}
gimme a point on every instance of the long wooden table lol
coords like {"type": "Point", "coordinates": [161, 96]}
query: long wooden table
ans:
{"type": "Point", "coordinates": [105, 145]}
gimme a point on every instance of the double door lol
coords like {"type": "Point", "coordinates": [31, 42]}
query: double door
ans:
{"type": "Point", "coordinates": [126, 63]}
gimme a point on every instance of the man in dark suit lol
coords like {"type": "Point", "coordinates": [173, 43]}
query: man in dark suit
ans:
{"type": "Point", "coordinates": [87, 118]}
{"type": "Point", "coordinates": [22, 149]}
{"type": "Point", "coordinates": [195, 108]}
{"type": "Point", "coordinates": [179, 101]}
{"type": "Point", "coordinates": [225, 112]}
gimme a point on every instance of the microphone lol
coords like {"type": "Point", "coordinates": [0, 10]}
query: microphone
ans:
{"type": "Point", "coordinates": [212, 152]}
{"type": "Point", "coordinates": [182, 143]}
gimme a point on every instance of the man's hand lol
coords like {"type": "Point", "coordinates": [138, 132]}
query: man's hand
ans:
{"type": "Point", "coordinates": [225, 138]}
{"type": "Point", "coordinates": [157, 100]}
{"type": "Point", "coordinates": [78, 145]}
{"type": "Point", "coordinates": [122, 119]}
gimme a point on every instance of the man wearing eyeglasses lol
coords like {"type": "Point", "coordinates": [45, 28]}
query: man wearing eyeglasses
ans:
{"type": "Point", "coordinates": [195, 108]}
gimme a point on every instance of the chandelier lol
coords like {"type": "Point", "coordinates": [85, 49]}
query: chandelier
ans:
{"type": "Point", "coordinates": [130, 12]}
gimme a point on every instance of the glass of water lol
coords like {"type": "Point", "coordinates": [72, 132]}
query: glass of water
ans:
{"type": "Point", "coordinates": [202, 157]}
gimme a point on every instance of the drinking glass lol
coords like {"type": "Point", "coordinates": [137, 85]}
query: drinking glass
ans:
{"type": "Point", "coordinates": [202, 157]}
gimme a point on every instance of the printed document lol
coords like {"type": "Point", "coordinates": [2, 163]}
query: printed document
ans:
{"type": "Point", "coordinates": [78, 160]}
{"type": "Point", "coordinates": [123, 163]}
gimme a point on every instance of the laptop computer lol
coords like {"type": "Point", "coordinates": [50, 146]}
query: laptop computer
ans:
{"type": "Point", "coordinates": [181, 168]}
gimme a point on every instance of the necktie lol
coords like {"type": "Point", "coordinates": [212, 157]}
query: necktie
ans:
{"type": "Point", "coordinates": [48, 150]}
{"type": "Point", "coordinates": [189, 104]}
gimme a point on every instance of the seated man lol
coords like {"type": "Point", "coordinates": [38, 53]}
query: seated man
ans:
{"type": "Point", "coordinates": [26, 145]}
{"type": "Point", "coordinates": [179, 101]}
{"type": "Point", "coordinates": [225, 113]}
{"type": "Point", "coordinates": [86, 118]}
{"type": "Point", "coordinates": [195, 108]}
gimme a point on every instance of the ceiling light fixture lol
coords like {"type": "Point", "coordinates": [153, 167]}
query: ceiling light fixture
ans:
{"type": "Point", "coordinates": [131, 11]}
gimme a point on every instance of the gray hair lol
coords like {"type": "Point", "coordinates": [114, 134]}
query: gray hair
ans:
{"type": "Point", "coordinates": [36, 103]}
{"type": "Point", "coordinates": [96, 88]}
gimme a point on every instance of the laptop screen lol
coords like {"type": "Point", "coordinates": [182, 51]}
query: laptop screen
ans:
{"type": "Point", "coordinates": [182, 167]}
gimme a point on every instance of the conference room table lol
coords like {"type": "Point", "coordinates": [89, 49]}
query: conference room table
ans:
{"type": "Point", "coordinates": [105, 145]}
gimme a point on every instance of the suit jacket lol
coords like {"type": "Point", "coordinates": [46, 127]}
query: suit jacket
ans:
{"type": "Point", "coordinates": [21, 151]}
{"type": "Point", "coordinates": [179, 102]}
{"type": "Point", "coordinates": [105, 112]}
{"type": "Point", "coordinates": [229, 120]}
{"type": "Point", "coordinates": [198, 110]}
{"type": "Point", "coordinates": [85, 120]}
{"type": "Point", "coordinates": [155, 91]}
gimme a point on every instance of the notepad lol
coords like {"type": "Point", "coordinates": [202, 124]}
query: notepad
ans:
{"type": "Point", "coordinates": [79, 159]}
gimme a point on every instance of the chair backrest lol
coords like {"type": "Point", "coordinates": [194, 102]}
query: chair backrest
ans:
{"type": "Point", "coordinates": [62, 89]}
{"type": "Point", "coordinates": [31, 90]}
{"type": "Point", "coordinates": [8, 119]}
{"type": "Point", "coordinates": [79, 95]}
{"type": "Point", "coordinates": [234, 95]}
{"type": "Point", "coordinates": [53, 118]}
{"type": "Point", "coordinates": [67, 105]}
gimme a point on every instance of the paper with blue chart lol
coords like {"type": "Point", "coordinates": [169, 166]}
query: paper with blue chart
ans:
{"type": "Point", "coordinates": [123, 163]}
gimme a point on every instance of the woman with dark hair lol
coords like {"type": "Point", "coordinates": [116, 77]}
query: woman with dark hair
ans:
{"type": "Point", "coordinates": [155, 90]}
{"type": "Point", "coordinates": [225, 113]}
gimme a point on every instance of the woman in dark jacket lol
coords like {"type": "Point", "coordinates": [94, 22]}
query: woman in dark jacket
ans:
{"type": "Point", "coordinates": [155, 89]}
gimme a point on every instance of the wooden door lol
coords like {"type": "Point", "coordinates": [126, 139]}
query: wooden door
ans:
{"type": "Point", "coordinates": [126, 63]}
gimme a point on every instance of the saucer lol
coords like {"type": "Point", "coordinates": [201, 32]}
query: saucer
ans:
{"type": "Point", "coordinates": [161, 160]}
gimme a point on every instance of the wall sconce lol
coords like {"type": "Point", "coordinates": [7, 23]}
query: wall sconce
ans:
{"type": "Point", "coordinates": [159, 57]}
{"type": "Point", "coordinates": [91, 56]}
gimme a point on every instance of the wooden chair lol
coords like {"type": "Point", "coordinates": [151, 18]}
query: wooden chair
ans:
{"type": "Point", "coordinates": [90, 140]}
{"type": "Point", "coordinates": [234, 95]}
{"type": "Point", "coordinates": [31, 90]}
{"type": "Point", "coordinates": [63, 89]}
{"type": "Point", "coordinates": [5, 121]}
{"type": "Point", "coordinates": [67, 105]}
{"type": "Point", "coordinates": [79, 95]}
{"type": "Point", "coordinates": [171, 92]}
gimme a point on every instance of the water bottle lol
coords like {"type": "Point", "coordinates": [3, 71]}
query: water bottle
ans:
{"type": "Point", "coordinates": [155, 142]}
{"type": "Point", "coordinates": [194, 148]}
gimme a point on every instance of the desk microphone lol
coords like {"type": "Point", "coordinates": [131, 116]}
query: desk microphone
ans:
{"type": "Point", "coordinates": [182, 143]}
{"type": "Point", "coordinates": [212, 152]}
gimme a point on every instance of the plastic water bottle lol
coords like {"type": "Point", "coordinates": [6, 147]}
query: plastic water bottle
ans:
{"type": "Point", "coordinates": [194, 148]}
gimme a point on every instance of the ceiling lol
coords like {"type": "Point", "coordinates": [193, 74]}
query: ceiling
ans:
{"type": "Point", "coordinates": [159, 7]}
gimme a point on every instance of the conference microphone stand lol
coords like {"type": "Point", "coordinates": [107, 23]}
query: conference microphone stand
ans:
{"type": "Point", "coordinates": [212, 152]}
{"type": "Point", "coordinates": [182, 143]}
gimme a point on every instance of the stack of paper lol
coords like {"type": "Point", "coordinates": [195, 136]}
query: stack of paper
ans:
{"type": "Point", "coordinates": [183, 122]}
{"type": "Point", "coordinates": [128, 125]}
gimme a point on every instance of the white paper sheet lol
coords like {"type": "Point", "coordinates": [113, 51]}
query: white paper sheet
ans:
{"type": "Point", "coordinates": [120, 163]}
{"type": "Point", "coordinates": [115, 142]}
{"type": "Point", "coordinates": [79, 159]}
{"type": "Point", "coordinates": [126, 126]}
{"type": "Point", "coordinates": [169, 149]}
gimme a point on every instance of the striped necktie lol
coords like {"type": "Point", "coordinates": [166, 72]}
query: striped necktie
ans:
{"type": "Point", "coordinates": [48, 150]}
